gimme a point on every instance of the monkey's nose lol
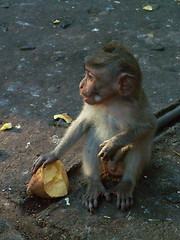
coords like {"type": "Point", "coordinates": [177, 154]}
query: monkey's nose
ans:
{"type": "Point", "coordinates": [81, 85]}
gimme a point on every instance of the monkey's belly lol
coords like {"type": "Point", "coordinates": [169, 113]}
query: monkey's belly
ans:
{"type": "Point", "coordinates": [115, 169]}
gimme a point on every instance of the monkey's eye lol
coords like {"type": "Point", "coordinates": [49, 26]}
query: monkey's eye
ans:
{"type": "Point", "coordinates": [90, 76]}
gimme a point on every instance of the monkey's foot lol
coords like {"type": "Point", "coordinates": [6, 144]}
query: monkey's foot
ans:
{"type": "Point", "coordinates": [124, 193]}
{"type": "Point", "coordinates": [94, 191]}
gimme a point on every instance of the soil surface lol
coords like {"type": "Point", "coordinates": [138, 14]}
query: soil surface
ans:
{"type": "Point", "coordinates": [41, 65]}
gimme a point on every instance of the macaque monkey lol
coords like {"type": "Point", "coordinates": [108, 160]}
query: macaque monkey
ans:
{"type": "Point", "coordinates": [117, 122]}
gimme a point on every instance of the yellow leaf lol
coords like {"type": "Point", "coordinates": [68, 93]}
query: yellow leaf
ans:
{"type": "Point", "coordinates": [64, 116]}
{"type": "Point", "coordinates": [6, 126]}
{"type": "Point", "coordinates": [150, 35]}
{"type": "Point", "coordinates": [148, 8]}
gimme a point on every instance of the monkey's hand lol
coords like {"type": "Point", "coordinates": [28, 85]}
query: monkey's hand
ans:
{"type": "Point", "coordinates": [109, 149]}
{"type": "Point", "coordinates": [44, 160]}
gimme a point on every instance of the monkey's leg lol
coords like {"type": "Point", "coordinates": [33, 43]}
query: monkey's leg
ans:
{"type": "Point", "coordinates": [91, 165]}
{"type": "Point", "coordinates": [136, 159]}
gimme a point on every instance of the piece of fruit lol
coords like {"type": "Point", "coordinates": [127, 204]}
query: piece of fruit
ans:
{"type": "Point", "coordinates": [49, 182]}
{"type": "Point", "coordinates": [6, 126]}
{"type": "Point", "coordinates": [64, 116]}
{"type": "Point", "coordinates": [148, 8]}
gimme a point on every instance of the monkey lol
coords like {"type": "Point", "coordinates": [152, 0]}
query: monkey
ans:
{"type": "Point", "coordinates": [117, 122]}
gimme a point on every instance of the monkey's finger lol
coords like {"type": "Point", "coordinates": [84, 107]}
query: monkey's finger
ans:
{"type": "Point", "coordinates": [118, 201]}
{"type": "Point", "coordinates": [123, 205]}
{"type": "Point", "coordinates": [95, 203]}
{"type": "Point", "coordinates": [48, 161]}
{"type": "Point", "coordinates": [107, 196]}
{"type": "Point", "coordinates": [39, 159]}
{"type": "Point", "coordinates": [103, 155]}
{"type": "Point", "coordinates": [91, 207]}
{"type": "Point", "coordinates": [131, 202]}
{"type": "Point", "coordinates": [37, 165]}
{"type": "Point", "coordinates": [103, 144]}
{"type": "Point", "coordinates": [100, 154]}
{"type": "Point", "coordinates": [86, 204]}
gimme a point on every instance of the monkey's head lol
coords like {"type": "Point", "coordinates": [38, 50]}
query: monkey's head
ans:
{"type": "Point", "coordinates": [111, 72]}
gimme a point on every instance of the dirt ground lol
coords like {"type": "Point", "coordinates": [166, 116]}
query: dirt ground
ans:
{"type": "Point", "coordinates": [41, 65]}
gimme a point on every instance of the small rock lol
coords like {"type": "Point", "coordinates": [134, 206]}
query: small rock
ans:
{"type": "Point", "coordinates": [25, 48]}
{"type": "Point", "coordinates": [64, 24]}
{"type": "Point", "coordinates": [173, 197]}
{"type": "Point", "coordinates": [4, 29]}
{"type": "Point", "coordinates": [58, 56]}
{"type": "Point", "coordinates": [93, 10]}
{"type": "Point", "coordinates": [104, 13]}
{"type": "Point", "coordinates": [3, 226]}
{"type": "Point", "coordinates": [1, 152]}
{"type": "Point", "coordinates": [4, 4]}
{"type": "Point", "coordinates": [158, 47]}
{"type": "Point", "coordinates": [41, 223]}
{"type": "Point", "coordinates": [154, 26]}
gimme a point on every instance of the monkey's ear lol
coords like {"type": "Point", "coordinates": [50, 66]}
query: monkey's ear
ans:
{"type": "Point", "coordinates": [126, 83]}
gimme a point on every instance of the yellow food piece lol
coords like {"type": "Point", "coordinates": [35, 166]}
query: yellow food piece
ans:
{"type": "Point", "coordinates": [6, 126]}
{"type": "Point", "coordinates": [56, 21]}
{"type": "Point", "coordinates": [49, 182]}
{"type": "Point", "coordinates": [64, 116]}
{"type": "Point", "coordinates": [148, 8]}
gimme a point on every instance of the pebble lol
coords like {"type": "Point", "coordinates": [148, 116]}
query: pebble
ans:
{"type": "Point", "coordinates": [154, 26]}
{"type": "Point", "coordinates": [173, 197]}
{"type": "Point", "coordinates": [58, 56]}
{"type": "Point", "coordinates": [4, 29]}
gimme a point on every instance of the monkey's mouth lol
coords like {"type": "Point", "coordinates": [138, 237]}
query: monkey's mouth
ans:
{"type": "Point", "coordinates": [93, 99]}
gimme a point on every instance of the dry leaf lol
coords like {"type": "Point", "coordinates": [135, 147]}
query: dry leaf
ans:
{"type": "Point", "coordinates": [6, 126]}
{"type": "Point", "coordinates": [148, 8]}
{"type": "Point", "coordinates": [64, 116]}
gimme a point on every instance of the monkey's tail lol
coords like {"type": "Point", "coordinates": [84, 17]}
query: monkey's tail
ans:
{"type": "Point", "coordinates": [168, 119]}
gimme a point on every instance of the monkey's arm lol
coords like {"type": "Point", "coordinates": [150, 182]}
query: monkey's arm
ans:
{"type": "Point", "coordinates": [111, 146]}
{"type": "Point", "coordinates": [74, 132]}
